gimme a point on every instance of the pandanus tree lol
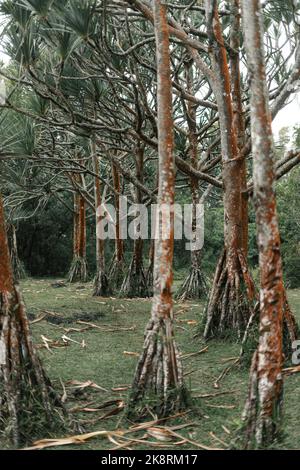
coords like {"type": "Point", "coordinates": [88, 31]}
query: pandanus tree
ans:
{"type": "Point", "coordinates": [159, 375]}
{"type": "Point", "coordinates": [263, 411]}
{"type": "Point", "coordinates": [232, 293]}
{"type": "Point", "coordinates": [135, 281]}
{"type": "Point", "coordinates": [194, 285]}
{"type": "Point", "coordinates": [78, 269]}
{"type": "Point", "coordinates": [85, 40]}
{"type": "Point", "coordinates": [118, 268]}
{"type": "Point", "coordinates": [17, 267]}
{"type": "Point", "coordinates": [101, 285]}
{"type": "Point", "coordinates": [29, 404]}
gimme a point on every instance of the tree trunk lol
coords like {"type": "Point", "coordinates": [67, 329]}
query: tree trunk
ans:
{"type": "Point", "coordinates": [29, 406]}
{"type": "Point", "coordinates": [158, 380]}
{"type": "Point", "coordinates": [135, 282]}
{"type": "Point", "coordinates": [149, 276]}
{"type": "Point", "coordinates": [78, 270]}
{"type": "Point", "coordinates": [232, 294]}
{"type": "Point", "coordinates": [101, 286]}
{"type": "Point", "coordinates": [194, 286]}
{"type": "Point", "coordinates": [117, 268]}
{"type": "Point", "coordinates": [262, 414]}
{"type": "Point", "coordinates": [17, 266]}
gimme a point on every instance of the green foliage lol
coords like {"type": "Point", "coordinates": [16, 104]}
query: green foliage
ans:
{"type": "Point", "coordinates": [288, 196]}
{"type": "Point", "coordinates": [79, 17]}
{"type": "Point", "coordinates": [40, 7]}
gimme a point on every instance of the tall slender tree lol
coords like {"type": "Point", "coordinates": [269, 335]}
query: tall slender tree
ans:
{"type": "Point", "coordinates": [263, 409]}
{"type": "Point", "coordinates": [228, 308]}
{"type": "Point", "coordinates": [159, 374]}
{"type": "Point", "coordinates": [101, 286]}
{"type": "Point", "coordinates": [117, 269]}
{"type": "Point", "coordinates": [194, 285]}
{"type": "Point", "coordinates": [29, 406]}
{"type": "Point", "coordinates": [135, 281]}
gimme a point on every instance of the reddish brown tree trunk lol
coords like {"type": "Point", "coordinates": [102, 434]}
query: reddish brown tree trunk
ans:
{"type": "Point", "coordinates": [78, 270]}
{"type": "Point", "coordinates": [82, 228]}
{"type": "Point", "coordinates": [238, 116]}
{"type": "Point", "coordinates": [194, 286]}
{"type": "Point", "coordinates": [230, 302]}
{"type": "Point", "coordinates": [149, 276]}
{"type": "Point", "coordinates": [262, 413]}
{"type": "Point", "coordinates": [135, 282]}
{"type": "Point", "coordinates": [101, 286]}
{"type": "Point", "coordinates": [27, 399]}
{"type": "Point", "coordinates": [117, 269]}
{"type": "Point", "coordinates": [159, 377]}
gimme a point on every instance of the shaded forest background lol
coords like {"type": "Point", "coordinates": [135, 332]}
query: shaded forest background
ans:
{"type": "Point", "coordinates": [45, 239]}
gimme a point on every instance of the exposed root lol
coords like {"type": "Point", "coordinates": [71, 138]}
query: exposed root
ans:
{"type": "Point", "coordinates": [260, 428]}
{"type": "Point", "coordinates": [290, 328]}
{"type": "Point", "coordinates": [149, 280]}
{"type": "Point", "coordinates": [250, 339]}
{"type": "Point", "coordinates": [193, 287]}
{"type": "Point", "coordinates": [135, 283]}
{"type": "Point", "coordinates": [158, 384]}
{"type": "Point", "coordinates": [101, 285]}
{"type": "Point", "coordinates": [78, 270]}
{"type": "Point", "coordinates": [231, 300]}
{"type": "Point", "coordinates": [29, 406]}
{"type": "Point", "coordinates": [117, 272]}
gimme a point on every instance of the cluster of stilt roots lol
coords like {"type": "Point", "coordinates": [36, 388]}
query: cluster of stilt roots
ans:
{"type": "Point", "coordinates": [117, 272]}
{"type": "Point", "coordinates": [158, 385]}
{"type": "Point", "coordinates": [101, 286]}
{"type": "Point", "coordinates": [194, 286]}
{"type": "Point", "coordinates": [290, 333]}
{"type": "Point", "coordinates": [261, 426]}
{"type": "Point", "coordinates": [135, 282]}
{"type": "Point", "coordinates": [262, 416]}
{"type": "Point", "coordinates": [260, 429]}
{"type": "Point", "coordinates": [29, 406]}
{"type": "Point", "coordinates": [78, 270]}
{"type": "Point", "coordinates": [231, 300]}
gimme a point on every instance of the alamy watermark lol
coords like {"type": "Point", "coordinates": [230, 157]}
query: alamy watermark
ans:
{"type": "Point", "coordinates": [158, 221]}
{"type": "Point", "coordinates": [296, 352]}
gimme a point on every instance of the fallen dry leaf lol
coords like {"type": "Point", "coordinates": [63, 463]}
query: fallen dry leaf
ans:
{"type": "Point", "coordinates": [130, 353]}
{"type": "Point", "coordinates": [161, 434]}
{"type": "Point", "coordinates": [78, 439]}
{"type": "Point", "coordinates": [67, 339]}
{"type": "Point", "coordinates": [88, 383]}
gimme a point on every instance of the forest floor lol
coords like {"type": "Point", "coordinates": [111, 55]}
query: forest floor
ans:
{"type": "Point", "coordinates": [108, 359]}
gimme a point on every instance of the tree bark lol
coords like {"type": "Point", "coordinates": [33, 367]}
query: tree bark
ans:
{"type": "Point", "coordinates": [149, 276]}
{"type": "Point", "coordinates": [78, 270]}
{"type": "Point", "coordinates": [159, 377]}
{"type": "Point", "coordinates": [135, 282]}
{"type": "Point", "coordinates": [17, 266]}
{"type": "Point", "coordinates": [194, 286]}
{"type": "Point", "coordinates": [101, 286]}
{"type": "Point", "coordinates": [232, 294]}
{"type": "Point", "coordinates": [117, 268]}
{"type": "Point", "coordinates": [262, 414]}
{"type": "Point", "coordinates": [29, 406]}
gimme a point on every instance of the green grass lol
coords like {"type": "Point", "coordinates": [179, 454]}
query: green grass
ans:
{"type": "Point", "coordinates": [103, 361]}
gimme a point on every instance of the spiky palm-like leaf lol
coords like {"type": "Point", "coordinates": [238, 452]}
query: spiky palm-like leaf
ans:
{"type": "Point", "coordinates": [40, 7]}
{"type": "Point", "coordinates": [22, 46]}
{"type": "Point", "coordinates": [79, 17]}
{"type": "Point", "coordinates": [17, 12]}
